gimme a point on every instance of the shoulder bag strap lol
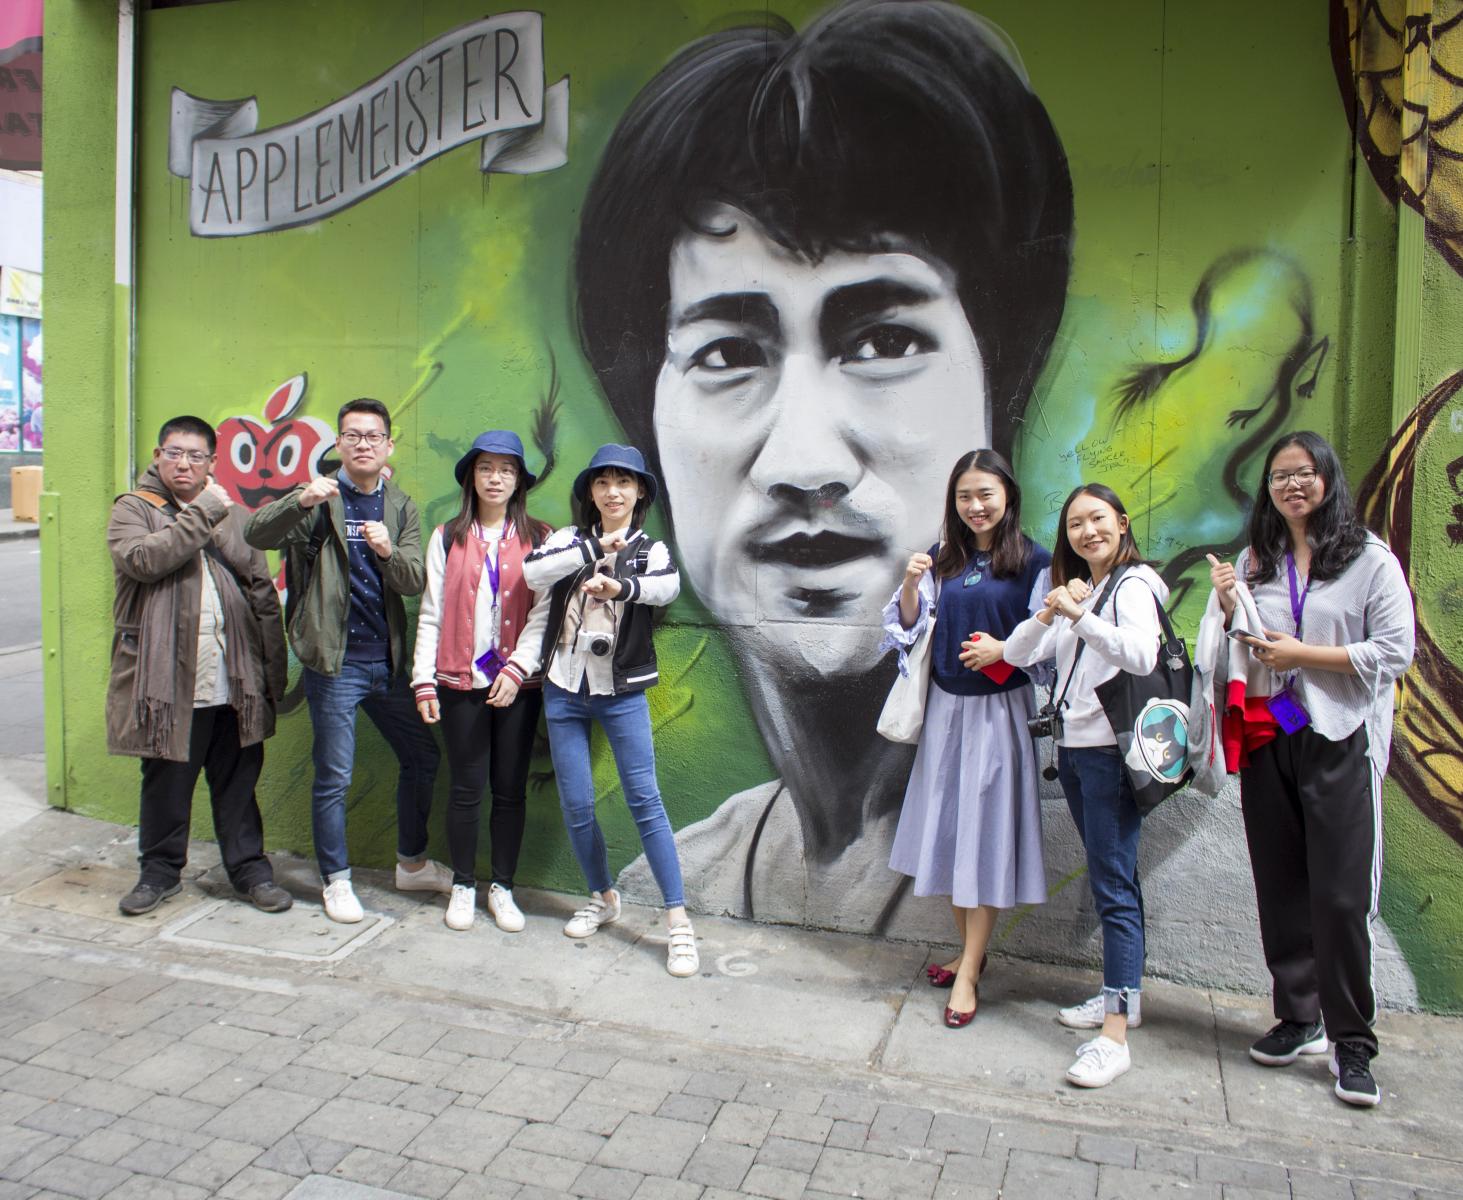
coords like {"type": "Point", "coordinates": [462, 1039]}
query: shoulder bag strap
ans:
{"type": "Point", "coordinates": [1112, 583]}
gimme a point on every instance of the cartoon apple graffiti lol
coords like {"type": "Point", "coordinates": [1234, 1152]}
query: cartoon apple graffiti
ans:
{"type": "Point", "coordinates": [260, 461]}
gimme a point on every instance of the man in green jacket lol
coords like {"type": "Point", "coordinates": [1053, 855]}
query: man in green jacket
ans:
{"type": "Point", "coordinates": [353, 549]}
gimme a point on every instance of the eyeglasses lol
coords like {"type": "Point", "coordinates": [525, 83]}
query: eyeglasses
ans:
{"type": "Point", "coordinates": [352, 438]}
{"type": "Point", "coordinates": [487, 472]}
{"type": "Point", "coordinates": [196, 457]}
{"type": "Point", "coordinates": [1305, 477]}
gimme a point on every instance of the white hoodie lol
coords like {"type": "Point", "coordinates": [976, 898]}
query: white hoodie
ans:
{"type": "Point", "coordinates": [1124, 638]}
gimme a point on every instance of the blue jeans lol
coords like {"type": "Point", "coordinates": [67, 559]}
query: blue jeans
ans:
{"type": "Point", "coordinates": [333, 701]}
{"type": "Point", "coordinates": [1100, 799]}
{"type": "Point", "coordinates": [626, 722]}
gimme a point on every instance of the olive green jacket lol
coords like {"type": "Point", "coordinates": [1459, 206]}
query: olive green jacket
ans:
{"type": "Point", "coordinates": [317, 619]}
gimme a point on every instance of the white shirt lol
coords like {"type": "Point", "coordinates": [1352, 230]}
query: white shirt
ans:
{"type": "Point", "coordinates": [210, 674]}
{"type": "Point", "coordinates": [487, 617]}
{"type": "Point", "coordinates": [1124, 638]}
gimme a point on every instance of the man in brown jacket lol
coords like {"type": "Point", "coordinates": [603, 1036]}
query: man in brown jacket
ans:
{"type": "Point", "coordinates": [198, 663]}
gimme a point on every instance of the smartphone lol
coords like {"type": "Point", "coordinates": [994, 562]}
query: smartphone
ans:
{"type": "Point", "coordinates": [1249, 639]}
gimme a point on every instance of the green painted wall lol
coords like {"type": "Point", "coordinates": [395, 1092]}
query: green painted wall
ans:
{"type": "Point", "coordinates": [1209, 147]}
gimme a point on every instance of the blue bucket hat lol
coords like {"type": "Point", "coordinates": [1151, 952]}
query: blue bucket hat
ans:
{"type": "Point", "coordinates": [627, 458]}
{"type": "Point", "coordinates": [495, 441]}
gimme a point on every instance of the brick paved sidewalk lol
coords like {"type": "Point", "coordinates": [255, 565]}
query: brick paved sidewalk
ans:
{"type": "Point", "coordinates": [123, 1081]}
{"type": "Point", "coordinates": [207, 1049]}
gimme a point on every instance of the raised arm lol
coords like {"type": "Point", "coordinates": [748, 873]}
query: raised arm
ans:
{"type": "Point", "coordinates": [148, 555]}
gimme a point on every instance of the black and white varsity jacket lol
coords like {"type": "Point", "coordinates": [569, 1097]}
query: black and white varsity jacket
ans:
{"type": "Point", "coordinates": [568, 557]}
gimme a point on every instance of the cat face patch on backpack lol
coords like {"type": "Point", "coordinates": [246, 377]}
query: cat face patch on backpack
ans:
{"type": "Point", "coordinates": [1160, 745]}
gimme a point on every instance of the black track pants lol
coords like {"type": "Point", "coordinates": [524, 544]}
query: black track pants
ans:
{"type": "Point", "coordinates": [1313, 820]}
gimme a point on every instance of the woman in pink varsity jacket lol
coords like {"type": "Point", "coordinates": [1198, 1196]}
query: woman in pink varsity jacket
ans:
{"type": "Point", "coordinates": [476, 666]}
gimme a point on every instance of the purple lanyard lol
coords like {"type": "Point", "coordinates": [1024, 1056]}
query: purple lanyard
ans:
{"type": "Point", "coordinates": [490, 661]}
{"type": "Point", "coordinates": [490, 566]}
{"type": "Point", "coordinates": [1297, 596]}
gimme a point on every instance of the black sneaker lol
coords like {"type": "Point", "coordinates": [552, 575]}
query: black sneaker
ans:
{"type": "Point", "coordinates": [145, 897]}
{"type": "Point", "coordinates": [1351, 1063]}
{"type": "Point", "coordinates": [1287, 1042]}
{"type": "Point", "coordinates": [268, 897]}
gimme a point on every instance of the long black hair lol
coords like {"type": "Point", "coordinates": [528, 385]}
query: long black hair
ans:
{"type": "Point", "coordinates": [1067, 564]}
{"type": "Point", "coordinates": [589, 511]}
{"type": "Point", "coordinates": [460, 527]}
{"type": "Point", "coordinates": [1334, 531]}
{"type": "Point", "coordinates": [1010, 548]}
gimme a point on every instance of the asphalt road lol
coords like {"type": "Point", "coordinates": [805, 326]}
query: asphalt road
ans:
{"type": "Point", "coordinates": [20, 593]}
{"type": "Point", "coordinates": [22, 698]}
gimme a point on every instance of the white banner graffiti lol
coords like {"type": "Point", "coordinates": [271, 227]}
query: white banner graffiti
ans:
{"type": "Point", "coordinates": [482, 82]}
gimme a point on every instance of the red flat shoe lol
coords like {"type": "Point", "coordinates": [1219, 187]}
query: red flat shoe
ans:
{"type": "Point", "coordinates": [958, 1020]}
{"type": "Point", "coordinates": [941, 978]}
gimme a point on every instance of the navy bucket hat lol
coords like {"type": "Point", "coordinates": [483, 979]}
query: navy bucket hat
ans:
{"type": "Point", "coordinates": [496, 441]}
{"type": "Point", "coordinates": [627, 458]}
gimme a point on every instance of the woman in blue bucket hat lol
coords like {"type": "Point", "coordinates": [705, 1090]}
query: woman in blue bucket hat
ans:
{"type": "Point", "coordinates": [605, 576]}
{"type": "Point", "coordinates": [476, 665]}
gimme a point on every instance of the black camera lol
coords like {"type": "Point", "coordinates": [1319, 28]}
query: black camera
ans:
{"type": "Point", "coordinates": [1046, 723]}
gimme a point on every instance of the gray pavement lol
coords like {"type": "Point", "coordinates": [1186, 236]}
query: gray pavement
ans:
{"type": "Point", "coordinates": [13, 530]}
{"type": "Point", "coordinates": [210, 1050]}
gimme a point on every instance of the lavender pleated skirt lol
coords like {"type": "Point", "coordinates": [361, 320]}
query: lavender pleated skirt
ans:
{"type": "Point", "coordinates": [970, 827]}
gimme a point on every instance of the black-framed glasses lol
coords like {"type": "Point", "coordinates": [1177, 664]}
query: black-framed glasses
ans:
{"type": "Point", "coordinates": [196, 457]}
{"type": "Point", "coordinates": [353, 438]}
{"type": "Point", "coordinates": [1305, 477]}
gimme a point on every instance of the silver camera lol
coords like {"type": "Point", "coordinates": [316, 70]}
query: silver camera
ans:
{"type": "Point", "coordinates": [594, 641]}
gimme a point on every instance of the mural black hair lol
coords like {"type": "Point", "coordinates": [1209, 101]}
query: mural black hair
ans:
{"type": "Point", "coordinates": [904, 122]}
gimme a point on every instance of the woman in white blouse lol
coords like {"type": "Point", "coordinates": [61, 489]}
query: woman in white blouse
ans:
{"type": "Point", "coordinates": [1339, 629]}
{"type": "Point", "coordinates": [1101, 617]}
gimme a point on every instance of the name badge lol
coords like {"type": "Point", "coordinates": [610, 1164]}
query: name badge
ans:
{"type": "Point", "coordinates": [1287, 710]}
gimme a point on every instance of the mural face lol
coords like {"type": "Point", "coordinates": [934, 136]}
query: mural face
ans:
{"type": "Point", "coordinates": [805, 264]}
{"type": "Point", "coordinates": [260, 461]}
{"type": "Point", "coordinates": [797, 414]}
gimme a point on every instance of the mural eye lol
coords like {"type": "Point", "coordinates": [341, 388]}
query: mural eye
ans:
{"type": "Point", "coordinates": [729, 354]}
{"type": "Point", "coordinates": [287, 457]}
{"type": "Point", "coordinates": [242, 453]}
{"type": "Point", "coordinates": [882, 342]}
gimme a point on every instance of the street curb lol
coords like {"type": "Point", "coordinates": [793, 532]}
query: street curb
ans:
{"type": "Point", "coordinates": [18, 533]}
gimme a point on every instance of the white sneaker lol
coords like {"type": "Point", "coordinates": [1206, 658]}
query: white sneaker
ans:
{"type": "Point", "coordinates": [599, 911]}
{"type": "Point", "coordinates": [505, 912]}
{"type": "Point", "coordinates": [1099, 1062]}
{"type": "Point", "coordinates": [681, 957]}
{"type": "Point", "coordinates": [431, 876]}
{"type": "Point", "coordinates": [462, 908]}
{"type": "Point", "coordinates": [1090, 1013]}
{"type": "Point", "coordinates": [341, 904]}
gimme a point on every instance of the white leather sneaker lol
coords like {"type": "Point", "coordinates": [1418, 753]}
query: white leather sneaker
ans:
{"type": "Point", "coordinates": [681, 957]}
{"type": "Point", "coordinates": [1099, 1062]}
{"type": "Point", "coordinates": [341, 904]}
{"type": "Point", "coordinates": [599, 911]}
{"type": "Point", "coordinates": [462, 908]}
{"type": "Point", "coordinates": [505, 911]}
{"type": "Point", "coordinates": [1090, 1013]}
{"type": "Point", "coordinates": [431, 876]}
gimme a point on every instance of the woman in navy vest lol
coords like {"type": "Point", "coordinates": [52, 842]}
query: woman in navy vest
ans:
{"type": "Point", "coordinates": [970, 827]}
{"type": "Point", "coordinates": [476, 665]}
